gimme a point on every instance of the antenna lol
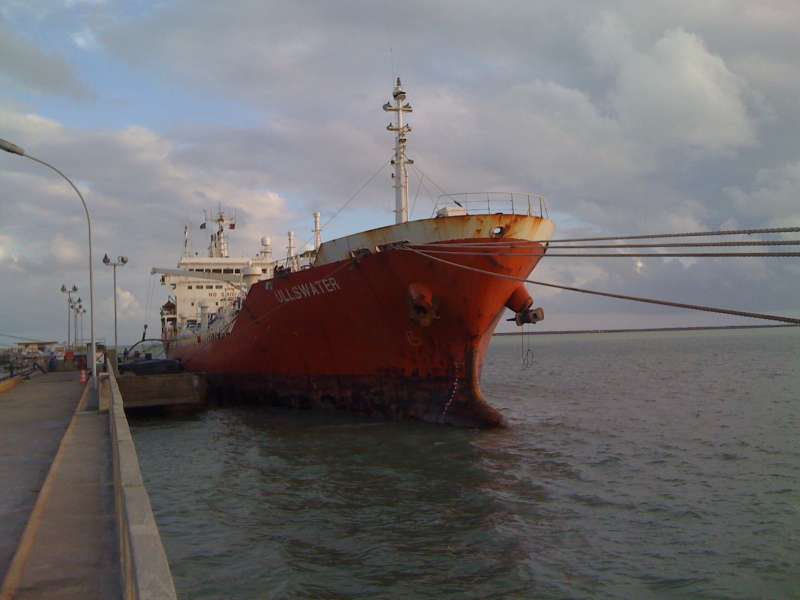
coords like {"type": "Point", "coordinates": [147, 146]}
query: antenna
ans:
{"type": "Point", "coordinates": [317, 232]}
{"type": "Point", "coordinates": [187, 240]}
{"type": "Point", "coordinates": [218, 248]}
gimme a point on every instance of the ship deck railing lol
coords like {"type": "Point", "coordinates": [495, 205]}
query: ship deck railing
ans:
{"type": "Point", "coordinates": [488, 203]}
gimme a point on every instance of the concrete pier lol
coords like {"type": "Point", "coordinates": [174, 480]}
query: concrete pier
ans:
{"type": "Point", "coordinates": [75, 519]}
{"type": "Point", "coordinates": [171, 390]}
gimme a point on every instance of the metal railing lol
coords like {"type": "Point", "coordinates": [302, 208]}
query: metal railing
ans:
{"type": "Point", "coordinates": [486, 203]}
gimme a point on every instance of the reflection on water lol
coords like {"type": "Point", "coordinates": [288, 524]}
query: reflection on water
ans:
{"type": "Point", "coordinates": [637, 465]}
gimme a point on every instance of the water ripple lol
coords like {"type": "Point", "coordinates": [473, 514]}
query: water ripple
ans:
{"type": "Point", "coordinates": [637, 466]}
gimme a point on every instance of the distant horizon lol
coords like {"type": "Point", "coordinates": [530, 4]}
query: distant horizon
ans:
{"type": "Point", "coordinates": [642, 329]}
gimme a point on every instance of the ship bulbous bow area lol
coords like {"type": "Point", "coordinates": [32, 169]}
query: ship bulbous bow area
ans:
{"type": "Point", "coordinates": [452, 399]}
{"type": "Point", "coordinates": [456, 401]}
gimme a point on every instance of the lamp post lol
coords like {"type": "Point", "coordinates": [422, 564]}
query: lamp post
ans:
{"type": "Point", "coordinates": [14, 149]}
{"type": "Point", "coordinates": [68, 292]}
{"type": "Point", "coordinates": [77, 306]}
{"type": "Point", "coordinates": [83, 312]}
{"type": "Point", "coordinates": [120, 262]}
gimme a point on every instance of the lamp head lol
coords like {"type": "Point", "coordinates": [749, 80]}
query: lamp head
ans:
{"type": "Point", "coordinates": [123, 260]}
{"type": "Point", "coordinates": [63, 288]}
{"type": "Point", "coordinates": [106, 260]}
{"type": "Point", "coordinates": [74, 288]}
{"type": "Point", "coordinates": [12, 148]}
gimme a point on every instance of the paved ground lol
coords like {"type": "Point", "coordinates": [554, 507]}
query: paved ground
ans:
{"type": "Point", "coordinates": [73, 552]}
{"type": "Point", "coordinates": [33, 418]}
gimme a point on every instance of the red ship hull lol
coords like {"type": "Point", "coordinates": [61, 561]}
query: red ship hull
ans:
{"type": "Point", "coordinates": [349, 335]}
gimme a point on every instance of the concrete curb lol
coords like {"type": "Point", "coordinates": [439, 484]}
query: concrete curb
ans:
{"type": "Point", "coordinates": [143, 561]}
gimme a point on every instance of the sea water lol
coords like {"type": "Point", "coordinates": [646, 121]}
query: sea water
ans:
{"type": "Point", "coordinates": [636, 465]}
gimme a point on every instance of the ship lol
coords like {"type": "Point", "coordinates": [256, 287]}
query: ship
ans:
{"type": "Point", "coordinates": [392, 322]}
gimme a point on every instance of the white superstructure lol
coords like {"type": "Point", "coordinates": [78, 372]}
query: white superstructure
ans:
{"type": "Point", "coordinates": [203, 288]}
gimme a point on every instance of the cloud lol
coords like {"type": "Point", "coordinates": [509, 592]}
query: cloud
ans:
{"type": "Point", "coordinates": [676, 93]}
{"type": "Point", "coordinates": [139, 190]}
{"type": "Point", "coordinates": [85, 40]}
{"type": "Point", "coordinates": [66, 252]}
{"type": "Point", "coordinates": [774, 198]}
{"type": "Point", "coordinates": [24, 64]}
{"type": "Point", "coordinates": [8, 255]}
{"type": "Point", "coordinates": [128, 305]}
{"type": "Point", "coordinates": [92, 3]}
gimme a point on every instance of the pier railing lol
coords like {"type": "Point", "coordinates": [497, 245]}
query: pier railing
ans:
{"type": "Point", "coordinates": [143, 562]}
{"type": "Point", "coordinates": [487, 203]}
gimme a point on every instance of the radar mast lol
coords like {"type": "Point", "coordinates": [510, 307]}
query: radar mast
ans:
{"type": "Point", "coordinates": [400, 159]}
{"type": "Point", "coordinates": [218, 246]}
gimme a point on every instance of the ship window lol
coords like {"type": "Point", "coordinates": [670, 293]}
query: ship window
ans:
{"type": "Point", "coordinates": [227, 270]}
{"type": "Point", "coordinates": [219, 287]}
{"type": "Point", "coordinates": [172, 285]}
{"type": "Point", "coordinates": [192, 303]}
{"type": "Point", "coordinates": [208, 270]}
{"type": "Point", "coordinates": [188, 286]}
{"type": "Point", "coordinates": [237, 270]}
{"type": "Point", "coordinates": [209, 287]}
{"type": "Point", "coordinates": [216, 270]}
{"type": "Point", "coordinates": [263, 270]}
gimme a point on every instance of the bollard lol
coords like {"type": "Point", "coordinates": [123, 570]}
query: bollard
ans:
{"type": "Point", "coordinates": [84, 376]}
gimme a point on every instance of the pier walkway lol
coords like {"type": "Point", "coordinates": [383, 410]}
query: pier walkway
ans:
{"type": "Point", "coordinates": [75, 520]}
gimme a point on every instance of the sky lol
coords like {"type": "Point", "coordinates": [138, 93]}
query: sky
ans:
{"type": "Point", "coordinates": [630, 117]}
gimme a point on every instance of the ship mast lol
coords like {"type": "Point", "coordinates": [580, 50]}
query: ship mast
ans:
{"type": "Point", "coordinates": [218, 247]}
{"type": "Point", "coordinates": [400, 159]}
{"type": "Point", "coordinates": [187, 241]}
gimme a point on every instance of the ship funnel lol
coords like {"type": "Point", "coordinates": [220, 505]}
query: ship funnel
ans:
{"type": "Point", "coordinates": [266, 248]}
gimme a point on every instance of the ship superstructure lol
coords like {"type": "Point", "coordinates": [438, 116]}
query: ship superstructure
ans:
{"type": "Point", "coordinates": [393, 321]}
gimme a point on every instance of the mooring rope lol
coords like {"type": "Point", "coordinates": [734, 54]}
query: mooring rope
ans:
{"type": "Point", "coordinates": [523, 243]}
{"type": "Point", "coordinates": [684, 244]}
{"type": "Point", "coordinates": [711, 309]}
{"type": "Point", "coordinates": [548, 254]}
{"type": "Point", "coordinates": [641, 237]}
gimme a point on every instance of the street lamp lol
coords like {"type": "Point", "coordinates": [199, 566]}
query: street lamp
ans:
{"type": "Point", "coordinates": [76, 306]}
{"type": "Point", "coordinates": [83, 312]}
{"type": "Point", "coordinates": [68, 292]}
{"type": "Point", "coordinates": [120, 262]}
{"type": "Point", "coordinates": [14, 149]}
